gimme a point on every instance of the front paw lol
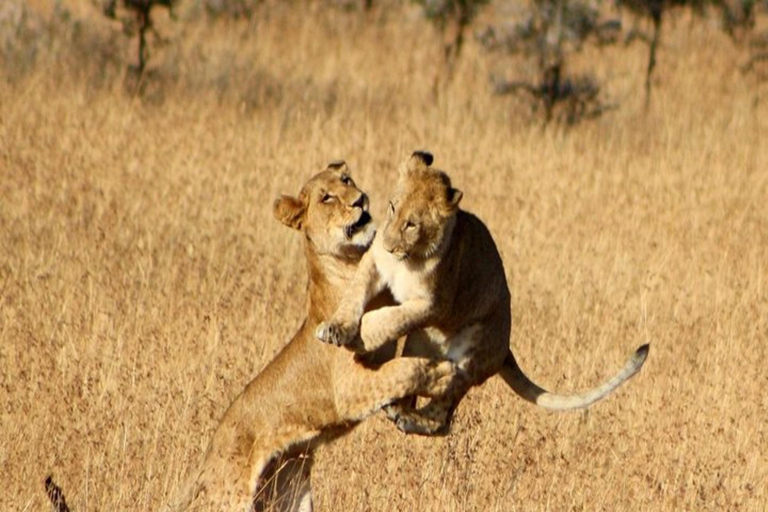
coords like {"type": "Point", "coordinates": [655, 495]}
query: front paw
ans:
{"type": "Point", "coordinates": [335, 333]}
{"type": "Point", "coordinates": [372, 333]}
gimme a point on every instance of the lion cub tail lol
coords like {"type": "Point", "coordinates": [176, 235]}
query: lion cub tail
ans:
{"type": "Point", "coordinates": [55, 495]}
{"type": "Point", "coordinates": [527, 389]}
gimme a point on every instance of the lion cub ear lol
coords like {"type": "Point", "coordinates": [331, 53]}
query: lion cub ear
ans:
{"type": "Point", "coordinates": [289, 211]}
{"type": "Point", "coordinates": [419, 161]}
{"type": "Point", "coordinates": [454, 198]}
{"type": "Point", "coordinates": [338, 166]}
{"type": "Point", "coordinates": [425, 157]}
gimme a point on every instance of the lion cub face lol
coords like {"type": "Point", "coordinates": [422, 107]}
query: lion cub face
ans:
{"type": "Point", "coordinates": [331, 212]}
{"type": "Point", "coordinates": [422, 210]}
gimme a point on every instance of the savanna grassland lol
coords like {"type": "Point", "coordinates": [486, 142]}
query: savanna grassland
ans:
{"type": "Point", "coordinates": [144, 281]}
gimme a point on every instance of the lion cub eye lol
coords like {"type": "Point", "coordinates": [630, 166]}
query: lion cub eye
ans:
{"type": "Point", "coordinates": [410, 226]}
{"type": "Point", "coordinates": [347, 181]}
{"type": "Point", "coordinates": [328, 198]}
{"type": "Point", "coordinates": [391, 209]}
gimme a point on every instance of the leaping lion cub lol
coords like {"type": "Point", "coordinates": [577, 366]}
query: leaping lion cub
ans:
{"type": "Point", "coordinates": [310, 392]}
{"type": "Point", "coordinates": [443, 268]}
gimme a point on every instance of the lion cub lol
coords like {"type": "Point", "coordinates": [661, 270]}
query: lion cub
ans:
{"type": "Point", "coordinates": [443, 268]}
{"type": "Point", "coordinates": [260, 455]}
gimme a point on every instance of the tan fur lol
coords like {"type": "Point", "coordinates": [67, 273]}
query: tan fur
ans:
{"type": "Point", "coordinates": [443, 268]}
{"type": "Point", "coordinates": [260, 455]}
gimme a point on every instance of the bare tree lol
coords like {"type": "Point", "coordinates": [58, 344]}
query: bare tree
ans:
{"type": "Point", "coordinates": [138, 20]}
{"type": "Point", "coordinates": [736, 17]}
{"type": "Point", "coordinates": [553, 30]}
{"type": "Point", "coordinates": [453, 18]}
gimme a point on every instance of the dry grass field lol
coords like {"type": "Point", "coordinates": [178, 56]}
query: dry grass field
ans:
{"type": "Point", "coordinates": [144, 281]}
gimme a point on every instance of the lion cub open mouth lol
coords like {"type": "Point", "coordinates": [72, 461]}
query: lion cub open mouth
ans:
{"type": "Point", "coordinates": [353, 228]}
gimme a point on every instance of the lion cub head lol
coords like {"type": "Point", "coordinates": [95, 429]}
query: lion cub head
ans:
{"type": "Point", "coordinates": [422, 212]}
{"type": "Point", "coordinates": [331, 212]}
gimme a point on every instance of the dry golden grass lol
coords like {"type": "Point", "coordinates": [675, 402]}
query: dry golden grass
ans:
{"type": "Point", "coordinates": [143, 280]}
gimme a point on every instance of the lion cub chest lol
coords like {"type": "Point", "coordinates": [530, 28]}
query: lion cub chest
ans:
{"type": "Point", "coordinates": [407, 281]}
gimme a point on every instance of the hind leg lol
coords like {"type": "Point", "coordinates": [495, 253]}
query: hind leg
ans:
{"type": "Point", "coordinates": [479, 351]}
{"type": "Point", "coordinates": [215, 486]}
{"type": "Point", "coordinates": [228, 477]}
{"type": "Point", "coordinates": [224, 493]}
{"type": "Point", "coordinates": [280, 483]}
{"type": "Point", "coordinates": [435, 417]}
{"type": "Point", "coordinates": [285, 486]}
{"type": "Point", "coordinates": [361, 391]}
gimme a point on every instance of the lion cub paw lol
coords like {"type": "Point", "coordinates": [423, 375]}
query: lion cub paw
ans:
{"type": "Point", "coordinates": [410, 421]}
{"type": "Point", "coordinates": [440, 376]}
{"type": "Point", "coordinates": [335, 333]}
{"type": "Point", "coordinates": [421, 426]}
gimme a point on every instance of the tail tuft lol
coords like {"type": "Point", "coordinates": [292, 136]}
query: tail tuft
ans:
{"type": "Point", "coordinates": [55, 495]}
{"type": "Point", "coordinates": [641, 354]}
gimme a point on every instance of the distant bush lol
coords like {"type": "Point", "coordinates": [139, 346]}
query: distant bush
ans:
{"type": "Point", "coordinates": [453, 18]}
{"type": "Point", "coordinates": [29, 39]}
{"type": "Point", "coordinates": [550, 32]}
{"type": "Point", "coordinates": [23, 34]}
{"type": "Point", "coordinates": [737, 18]}
{"type": "Point", "coordinates": [136, 18]}
{"type": "Point", "coordinates": [234, 9]}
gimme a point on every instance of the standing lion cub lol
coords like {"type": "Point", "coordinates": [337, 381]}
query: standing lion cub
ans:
{"type": "Point", "coordinates": [443, 268]}
{"type": "Point", "coordinates": [260, 455]}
